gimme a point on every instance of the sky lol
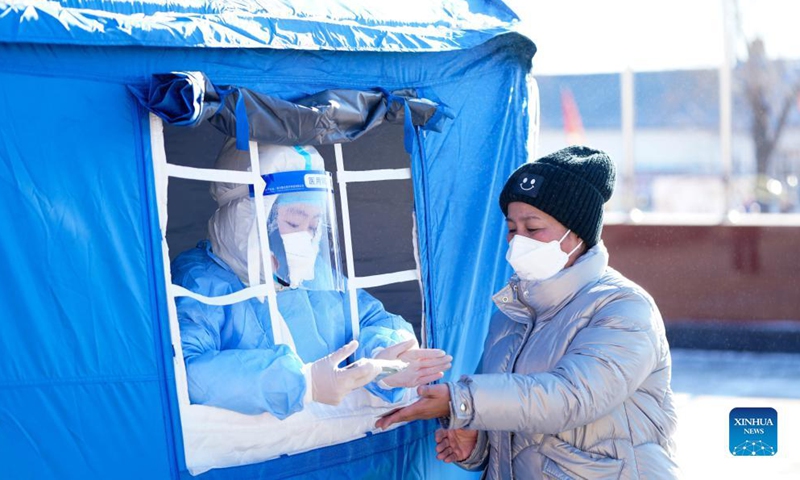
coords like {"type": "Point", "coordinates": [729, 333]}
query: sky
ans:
{"type": "Point", "coordinates": [590, 36]}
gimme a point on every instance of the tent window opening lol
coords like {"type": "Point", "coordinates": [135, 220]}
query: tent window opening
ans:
{"type": "Point", "coordinates": [375, 226]}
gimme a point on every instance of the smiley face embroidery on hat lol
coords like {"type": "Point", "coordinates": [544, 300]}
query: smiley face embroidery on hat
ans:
{"type": "Point", "coordinates": [529, 185]}
{"type": "Point", "coordinates": [525, 186]}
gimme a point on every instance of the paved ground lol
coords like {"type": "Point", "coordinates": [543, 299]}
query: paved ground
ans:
{"type": "Point", "coordinates": [708, 385]}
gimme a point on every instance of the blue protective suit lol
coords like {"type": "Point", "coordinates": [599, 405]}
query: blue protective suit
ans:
{"type": "Point", "coordinates": [231, 359]}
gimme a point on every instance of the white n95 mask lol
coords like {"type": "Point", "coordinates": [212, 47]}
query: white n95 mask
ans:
{"type": "Point", "coordinates": [534, 260]}
{"type": "Point", "coordinates": [301, 253]}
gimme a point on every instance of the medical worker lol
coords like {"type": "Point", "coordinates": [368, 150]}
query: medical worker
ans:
{"type": "Point", "coordinates": [232, 358]}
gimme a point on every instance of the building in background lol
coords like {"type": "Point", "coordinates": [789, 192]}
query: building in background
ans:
{"type": "Point", "coordinates": [676, 140]}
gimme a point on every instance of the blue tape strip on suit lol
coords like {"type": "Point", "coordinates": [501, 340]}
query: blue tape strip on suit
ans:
{"type": "Point", "coordinates": [242, 124]}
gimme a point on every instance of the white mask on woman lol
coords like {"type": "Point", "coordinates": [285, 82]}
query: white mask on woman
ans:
{"type": "Point", "coordinates": [535, 260]}
{"type": "Point", "coordinates": [301, 253]}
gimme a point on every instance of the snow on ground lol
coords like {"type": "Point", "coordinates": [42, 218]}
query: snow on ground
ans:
{"type": "Point", "coordinates": [708, 385]}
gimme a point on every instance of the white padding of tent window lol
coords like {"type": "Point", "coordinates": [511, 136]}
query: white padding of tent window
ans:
{"type": "Point", "coordinates": [258, 291]}
{"type": "Point", "coordinates": [384, 279]}
{"type": "Point", "coordinates": [216, 438]}
{"type": "Point", "coordinates": [210, 174]}
{"type": "Point", "coordinates": [351, 176]}
{"type": "Point", "coordinates": [415, 249]}
{"type": "Point", "coordinates": [159, 156]}
{"type": "Point", "coordinates": [348, 242]}
{"type": "Point", "coordinates": [280, 330]}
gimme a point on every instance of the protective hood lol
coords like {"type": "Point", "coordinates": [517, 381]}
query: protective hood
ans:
{"type": "Point", "coordinates": [301, 225]}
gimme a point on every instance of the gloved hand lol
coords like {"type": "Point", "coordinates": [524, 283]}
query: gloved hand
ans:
{"type": "Point", "coordinates": [330, 384]}
{"type": "Point", "coordinates": [424, 364]}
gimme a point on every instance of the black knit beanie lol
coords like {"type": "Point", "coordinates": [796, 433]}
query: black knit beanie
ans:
{"type": "Point", "coordinates": [571, 185]}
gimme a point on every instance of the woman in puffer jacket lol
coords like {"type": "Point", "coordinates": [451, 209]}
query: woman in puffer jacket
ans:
{"type": "Point", "coordinates": [574, 380]}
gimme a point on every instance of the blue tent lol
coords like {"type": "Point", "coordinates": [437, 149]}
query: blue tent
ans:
{"type": "Point", "coordinates": [87, 379]}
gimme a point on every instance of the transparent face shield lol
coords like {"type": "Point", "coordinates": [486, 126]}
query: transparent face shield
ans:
{"type": "Point", "coordinates": [302, 230]}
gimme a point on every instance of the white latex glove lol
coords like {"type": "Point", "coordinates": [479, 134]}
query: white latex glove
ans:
{"type": "Point", "coordinates": [424, 364]}
{"type": "Point", "coordinates": [330, 384]}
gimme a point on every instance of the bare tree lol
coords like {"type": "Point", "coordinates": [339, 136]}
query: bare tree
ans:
{"type": "Point", "coordinates": [770, 96]}
{"type": "Point", "coordinates": [770, 99]}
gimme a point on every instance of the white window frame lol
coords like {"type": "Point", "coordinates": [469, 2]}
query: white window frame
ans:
{"type": "Point", "coordinates": [215, 437]}
{"type": "Point", "coordinates": [344, 177]}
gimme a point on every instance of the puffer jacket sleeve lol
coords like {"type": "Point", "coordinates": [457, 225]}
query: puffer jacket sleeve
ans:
{"type": "Point", "coordinates": [379, 329]}
{"type": "Point", "coordinates": [604, 364]}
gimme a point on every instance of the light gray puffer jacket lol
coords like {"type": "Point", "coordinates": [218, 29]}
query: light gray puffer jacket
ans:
{"type": "Point", "coordinates": [574, 381]}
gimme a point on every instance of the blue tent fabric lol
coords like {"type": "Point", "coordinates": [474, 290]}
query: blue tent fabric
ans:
{"type": "Point", "coordinates": [181, 98]}
{"type": "Point", "coordinates": [359, 25]}
{"type": "Point", "coordinates": [86, 379]}
{"type": "Point", "coordinates": [83, 372]}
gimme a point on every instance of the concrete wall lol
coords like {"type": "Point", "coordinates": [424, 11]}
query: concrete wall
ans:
{"type": "Point", "coordinates": [721, 272]}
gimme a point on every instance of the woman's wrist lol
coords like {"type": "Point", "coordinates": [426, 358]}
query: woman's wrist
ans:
{"type": "Point", "coordinates": [461, 408]}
